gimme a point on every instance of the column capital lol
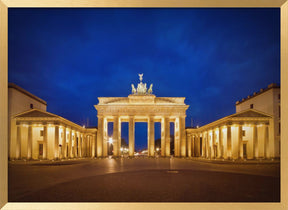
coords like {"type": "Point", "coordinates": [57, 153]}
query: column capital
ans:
{"type": "Point", "coordinates": [228, 123]}
{"type": "Point", "coordinates": [238, 123]}
{"type": "Point", "coordinates": [152, 116]}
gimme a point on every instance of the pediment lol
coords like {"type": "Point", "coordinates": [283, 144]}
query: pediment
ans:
{"type": "Point", "coordinates": [35, 113]}
{"type": "Point", "coordinates": [251, 113]}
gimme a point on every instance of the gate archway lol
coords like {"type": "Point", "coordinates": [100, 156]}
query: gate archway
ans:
{"type": "Point", "coordinates": [142, 106]}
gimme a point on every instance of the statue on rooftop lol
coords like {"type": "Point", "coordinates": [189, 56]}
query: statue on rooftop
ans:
{"type": "Point", "coordinates": [133, 89]}
{"type": "Point", "coordinates": [150, 89]}
{"type": "Point", "coordinates": [141, 87]}
{"type": "Point", "coordinates": [140, 77]}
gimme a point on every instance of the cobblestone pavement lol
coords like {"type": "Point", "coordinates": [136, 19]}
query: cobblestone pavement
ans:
{"type": "Point", "coordinates": [144, 180]}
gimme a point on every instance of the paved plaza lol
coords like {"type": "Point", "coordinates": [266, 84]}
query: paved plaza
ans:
{"type": "Point", "coordinates": [144, 180]}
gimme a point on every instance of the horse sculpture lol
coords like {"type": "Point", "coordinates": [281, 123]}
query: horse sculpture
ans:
{"type": "Point", "coordinates": [150, 89]}
{"type": "Point", "coordinates": [133, 89]}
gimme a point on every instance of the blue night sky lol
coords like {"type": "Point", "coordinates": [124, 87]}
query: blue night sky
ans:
{"type": "Point", "coordinates": [213, 57]}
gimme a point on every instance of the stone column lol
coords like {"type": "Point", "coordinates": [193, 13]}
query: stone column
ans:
{"type": "Point", "coordinates": [189, 144]}
{"type": "Point", "coordinates": [105, 138]}
{"type": "Point", "coordinates": [45, 142]}
{"type": "Point", "coordinates": [221, 154]}
{"type": "Point", "coordinates": [80, 145]}
{"type": "Point", "coordinates": [93, 146]}
{"type": "Point", "coordinates": [229, 143]}
{"type": "Point", "coordinates": [255, 141]}
{"type": "Point", "coordinates": [119, 136]}
{"type": "Point", "coordinates": [18, 143]}
{"type": "Point", "coordinates": [204, 144]}
{"type": "Point", "coordinates": [75, 144]}
{"type": "Point", "coordinates": [116, 136]}
{"type": "Point", "coordinates": [182, 136]}
{"type": "Point", "coordinates": [240, 142]}
{"type": "Point", "coordinates": [167, 137]}
{"type": "Point", "coordinates": [131, 136]}
{"type": "Point", "coordinates": [100, 136]}
{"type": "Point", "coordinates": [192, 145]}
{"type": "Point", "coordinates": [29, 143]}
{"type": "Point", "coordinates": [70, 144]}
{"type": "Point", "coordinates": [177, 137]}
{"type": "Point", "coordinates": [266, 141]}
{"type": "Point", "coordinates": [84, 145]}
{"type": "Point", "coordinates": [151, 136]}
{"type": "Point", "coordinates": [198, 145]}
{"type": "Point", "coordinates": [56, 142]}
{"type": "Point", "coordinates": [163, 140]}
{"type": "Point", "coordinates": [213, 144]}
{"type": "Point", "coordinates": [207, 145]}
{"type": "Point", "coordinates": [87, 145]}
{"type": "Point", "coordinates": [64, 143]}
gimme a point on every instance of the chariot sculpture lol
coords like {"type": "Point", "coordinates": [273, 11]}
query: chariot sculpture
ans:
{"type": "Point", "coordinates": [141, 87]}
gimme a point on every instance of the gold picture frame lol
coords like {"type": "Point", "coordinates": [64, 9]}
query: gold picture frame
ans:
{"type": "Point", "coordinates": [5, 4]}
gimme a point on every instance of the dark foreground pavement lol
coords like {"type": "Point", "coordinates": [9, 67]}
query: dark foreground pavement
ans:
{"type": "Point", "coordinates": [143, 180]}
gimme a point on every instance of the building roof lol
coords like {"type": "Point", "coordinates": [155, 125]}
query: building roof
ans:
{"type": "Point", "coordinates": [269, 87]}
{"type": "Point", "coordinates": [244, 116]}
{"type": "Point", "coordinates": [36, 115]}
{"type": "Point", "coordinates": [12, 85]}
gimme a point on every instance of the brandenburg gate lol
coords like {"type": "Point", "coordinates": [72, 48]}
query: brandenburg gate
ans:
{"type": "Point", "coordinates": [142, 106]}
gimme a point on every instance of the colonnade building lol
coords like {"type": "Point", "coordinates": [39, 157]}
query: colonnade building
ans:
{"type": "Point", "coordinates": [250, 133]}
{"type": "Point", "coordinates": [38, 134]}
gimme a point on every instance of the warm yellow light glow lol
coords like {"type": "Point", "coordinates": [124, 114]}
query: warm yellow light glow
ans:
{"type": "Point", "coordinates": [157, 149]}
{"type": "Point", "coordinates": [110, 141]}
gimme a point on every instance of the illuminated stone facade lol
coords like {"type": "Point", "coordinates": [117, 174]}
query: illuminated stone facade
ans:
{"type": "Point", "coordinates": [38, 134]}
{"type": "Point", "coordinates": [266, 100]}
{"type": "Point", "coordinates": [142, 106]}
{"type": "Point", "coordinates": [250, 133]}
{"type": "Point", "coordinates": [244, 135]}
